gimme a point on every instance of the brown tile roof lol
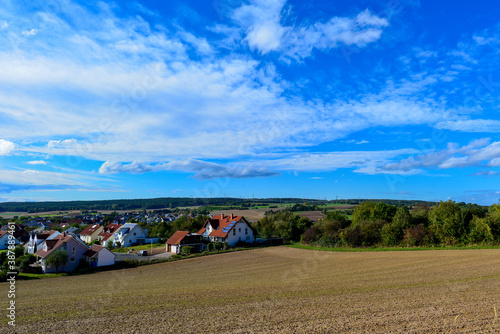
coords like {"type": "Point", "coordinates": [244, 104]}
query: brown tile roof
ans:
{"type": "Point", "coordinates": [176, 238]}
{"type": "Point", "coordinates": [109, 230]}
{"type": "Point", "coordinates": [90, 229]}
{"type": "Point", "coordinates": [94, 249]}
{"type": "Point", "coordinates": [53, 244]}
{"type": "Point", "coordinates": [2, 233]}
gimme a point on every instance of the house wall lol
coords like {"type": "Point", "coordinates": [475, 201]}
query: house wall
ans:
{"type": "Point", "coordinates": [105, 258]}
{"type": "Point", "coordinates": [89, 238]}
{"type": "Point", "coordinates": [130, 238]}
{"type": "Point", "coordinates": [173, 249]}
{"type": "Point", "coordinates": [73, 258]}
{"type": "Point", "coordinates": [4, 241]}
{"type": "Point", "coordinates": [239, 229]}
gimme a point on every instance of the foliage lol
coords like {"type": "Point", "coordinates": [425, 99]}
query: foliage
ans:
{"type": "Point", "coordinates": [370, 211]}
{"type": "Point", "coordinates": [366, 233]}
{"type": "Point", "coordinates": [57, 259]}
{"type": "Point", "coordinates": [415, 235]}
{"type": "Point", "coordinates": [479, 230]}
{"type": "Point", "coordinates": [393, 233]}
{"type": "Point", "coordinates": [447, 223]}
{"type": "Point", "coordinates": [19, 251]}
{"type": "Point", "coordinates": [284, 224]}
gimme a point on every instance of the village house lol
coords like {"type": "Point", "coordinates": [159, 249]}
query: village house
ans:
{"type": "Point", "coordinates": [107, 232]}
{"type": "Point", "coordinates": [128, 234]}
{"type": "Point", "coordinates": [36, 239]}
{"type": "Point", "coordinates": [19, 232]}
{"type": "Point", "coordinates": [183, 238]}
{"type": "Point", "coordinates": [4, 240]}
{"type": "Point", "coordinates": [74, 247]}
{"type": "Point", "coordinates": [91, 233]}
{"type": "Point", "coordinates": [228, 229]}
{"type": "Point", "coordinates": [99, 256]}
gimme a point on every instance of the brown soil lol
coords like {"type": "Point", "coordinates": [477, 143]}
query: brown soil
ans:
{"type": "Point", "coordinates": [274, 290]}
{"type": "Point", "coordinates": [312, 215]}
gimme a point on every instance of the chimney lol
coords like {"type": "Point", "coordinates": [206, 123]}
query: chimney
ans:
{"type": "Point", "coordinates": [231, 217]}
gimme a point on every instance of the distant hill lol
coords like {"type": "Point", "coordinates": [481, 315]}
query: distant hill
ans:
{"type": "Point", "coordinates": [174, 202]}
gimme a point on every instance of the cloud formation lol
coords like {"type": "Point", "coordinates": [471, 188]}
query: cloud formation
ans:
{"type": "Point", "coordinates": [261, 21]}
{"type": "Point", "coordinates": [6, 147]}
{"type": "Point", "coordinates": [202, 170]}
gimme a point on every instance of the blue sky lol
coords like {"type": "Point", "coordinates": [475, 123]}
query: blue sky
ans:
{"type": "Point", "coordinates": [259, 98]}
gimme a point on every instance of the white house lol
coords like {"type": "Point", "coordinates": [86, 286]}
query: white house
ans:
{"type": "Point", "coordinates": [229, 229]}
{"type": "Point", "coordinates": [74, 247]}
{"type": "Point", "coordinates": [36, 239]}
{"type": "Point", "coordinates": [4, 240]}
{"type": "Point", "coordinates": [107, 233]}
{"type": "Point", "coordinates": [98, 256]}
{"type": "Point", "coordinates": [128, 234]}
{"type": "Point", "coordinates": [183, 238]}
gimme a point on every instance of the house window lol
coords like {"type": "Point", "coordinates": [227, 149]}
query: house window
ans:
{"type": "Point", "coordinates": [72, 259]}
{"type": "Point", "coordinates": [246, 230]}
{"type": "Point", "coordinates": [74, 250]}
{"type": "Point", "coordinates": [134, 233]}
{"type": "Point", "coordinates": [239, 230]}
{"type": "Point", "coordinates": [234, 232]}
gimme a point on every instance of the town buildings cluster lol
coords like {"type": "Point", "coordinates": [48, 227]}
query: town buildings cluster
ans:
{"type": "Point", "coordinates": [91, 238]}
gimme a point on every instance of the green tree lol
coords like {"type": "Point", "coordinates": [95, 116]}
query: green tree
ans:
{"type": "Point", "coordinates": [363, 212]}
{"type": "Point", "coordinates": [383, 212]}
{"type": "Point", "coordinates": [393, 233]}
{"type": "Point", "coordinates": [479, 230]}
{"type": "Point", "coordinates": [57, 258]}
{"type": "Point", "coordinates": [447, 222]}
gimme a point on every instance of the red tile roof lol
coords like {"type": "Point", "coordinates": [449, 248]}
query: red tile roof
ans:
{"type": "Point", "coordinates": [54, 244]}
{"type": "Point", "coordinates": [90, 229]}
{"type": "Point", "coordinates": [94, 249]}
{"type": "Point", "coordinates": [176, 238]}
{"type": "Point", "coordinates": [218, 223]}
{"type": "Point", "coordinates": [109, 230]}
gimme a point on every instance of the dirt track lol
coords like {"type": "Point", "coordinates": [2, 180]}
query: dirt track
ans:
{"type": "Point", "coordinates": [275, 290]}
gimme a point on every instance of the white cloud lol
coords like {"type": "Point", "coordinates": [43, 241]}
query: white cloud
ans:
{"type": "Point", "coordinates": [471, 125]}
{"type": "Point", "coordinates": [3, 25]}
{"type": "Point", "coordinates": [203, 170]}
{"type": "Point", "coordinates": [61, 143]}
{"type": "Point", "coordinates": [261, 21]}
{"type": "Point", "coordinates": [478, 153]}
{"type": "Point", "coordinates": [37, 162]}
{"type": "Point", "coordinates": [6, 147]}
{"type": "Point", "coordinates": [31, 32]}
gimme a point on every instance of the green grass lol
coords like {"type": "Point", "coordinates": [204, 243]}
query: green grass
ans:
{"type": "Point", "coordinates": [387, 249]}
{"type": "Point", "coordinates": [137, 248]}
{"type": "Point", "coordinates": [27, 276]}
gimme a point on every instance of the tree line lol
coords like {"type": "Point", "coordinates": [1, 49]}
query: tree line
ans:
{"type": "Point", "coordinates": [381, 224]}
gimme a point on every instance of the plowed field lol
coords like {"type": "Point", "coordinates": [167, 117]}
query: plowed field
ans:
{"type": "Point", "coordinates": [273, 290]}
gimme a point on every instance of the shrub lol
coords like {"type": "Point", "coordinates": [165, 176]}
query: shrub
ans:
{"type": "Point", "coordinates": [310, 235]}
{"type": "Point", "coordinates": [187, 250]}
{"type": "Point", "coordinates": [479, 230]}
{"type": "Point", "coordinates": [414, 236]}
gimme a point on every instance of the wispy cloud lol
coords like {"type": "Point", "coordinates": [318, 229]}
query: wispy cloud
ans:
{"type": "Point", "coordinates": [477, 153]}
{"type": "Point", "coordinates": [37, 162]}
{"type": "Point", "coordinates": [261, 21]}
